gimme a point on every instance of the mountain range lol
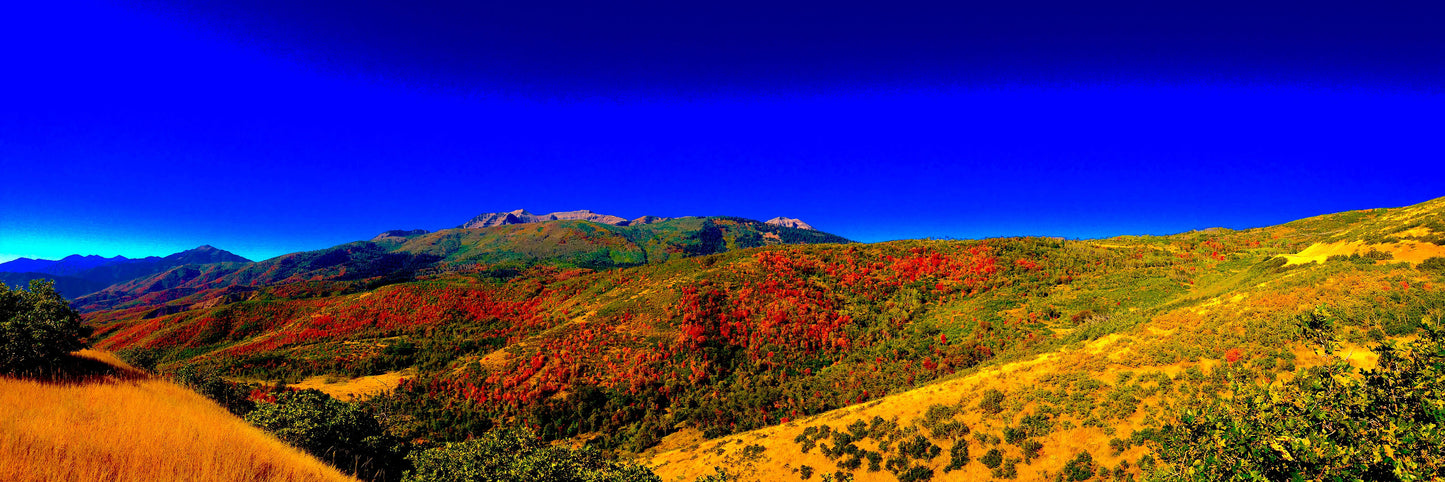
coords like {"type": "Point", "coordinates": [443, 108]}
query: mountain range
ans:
{"type": "Point", "coordinates": [498, 241]}
{"type": "Point", "coordinates": [693, 344]}
{"type": "Point", "coordinates": [78, 275]}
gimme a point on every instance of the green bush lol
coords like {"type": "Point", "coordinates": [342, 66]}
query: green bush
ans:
{"type": "Point", "coordinates": [1435, 264]}
{"type": "Point", "coordinates": [992, 402]}
{"type": "Point", "coordinates": [992, 459]}
{"type": "Point", "coordinates": [1009, 469]}
{"type": "Point", "coordinates": [505, 455]}
{"type": "Point", "coordinates": [916, 474]}
{"type": "Point", "coordinates": [1031, 450]}
{"type": "Point", "coordinates": [957, 456]}
{"type": "Point", "coordinates": [140, 357]}
{"type": "Point", "coordinates": [875, 461]}
{"type": "Point", "coordinates": [209, 385]}
{"type": "Point", "coordinates": [37, 328]}
{"type": "Point", "coordinates": [919, 447]}
{"type": "Point", "coordinates": [1326, 423]}
{"type": "Point", "coordinates": [1081, 468]}
{"type": "Point", "coordinates": [340, 433]}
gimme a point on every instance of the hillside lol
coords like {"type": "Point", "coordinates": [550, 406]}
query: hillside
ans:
{"type": "Point", "coordinates": [397, 256]}
{"type": "Point", "coordinates": [108, 422]}
{"type": "Point", "coordinates": [1088, 343]}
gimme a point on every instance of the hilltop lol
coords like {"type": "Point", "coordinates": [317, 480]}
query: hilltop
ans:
{"type": "Point", "coordinates": [695, 357]}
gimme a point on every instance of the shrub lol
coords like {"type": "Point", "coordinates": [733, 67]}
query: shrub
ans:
{"type": "Point", "coordinates": [1118, 446]}
{"type": "Point", "coordinates": [992, 402]}
{"type": "Point", "coordinates": [805, 472]}
{"type": "Point", "coordinates": [1031, 450]}
{"type": "Point", "coordinates": [1014, 435]}
{"type": "Point", "coordinates": [919, 447]}
{"type": "Point", "coordinates": [879, 428]}
{"type": "Point", "coordinates": [1327, 422]}
{"type": "Point", "coordinates": [341, 433]}
{"type": "Point", "coordinates": [957, 456]}
{"type": "Point", "coordinates": [37, 327]}
{"type": "Point", "coordinates": [208, 384]}
{"type": "Point", "coordinates": [916, 474]}
{"type": "Point", "coordinates": [1081, 468]}
{"type": "Point", "coordinates": [896, 464]}
{"type": "Point", "coordinates": [858, 429]}
{"type": "Point", "coordinates": [992, 459]}
{"type": "Point", "coordinates": [851, 463]}
{"type": "Point", "coordinates": [143, 358]}
{"type": "Point", "coordinates": [1009, 469]}
{"type": "Point", "coordinates": [1435, 264]}
{"type": "Point", "coordinates": [519, 455]}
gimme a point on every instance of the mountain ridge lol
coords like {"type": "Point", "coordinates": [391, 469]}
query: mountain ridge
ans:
{"type": "Point", "coordinates": [401, 255]}
{"type": "Point", "coordinates": [81, 275]}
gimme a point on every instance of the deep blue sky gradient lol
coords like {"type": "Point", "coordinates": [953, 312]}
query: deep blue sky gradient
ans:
{"type": "Point", "coordinates": [146, 128]}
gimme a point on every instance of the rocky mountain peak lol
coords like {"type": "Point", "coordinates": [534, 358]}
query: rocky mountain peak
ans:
{"type": "Point", "coordinates": [789, 223]}
{"type": "Point", "coordinates": [521, 216]}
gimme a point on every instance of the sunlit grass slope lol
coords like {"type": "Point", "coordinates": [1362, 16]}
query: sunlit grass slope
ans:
{"type": "Point", "coordinates": [116, 424]}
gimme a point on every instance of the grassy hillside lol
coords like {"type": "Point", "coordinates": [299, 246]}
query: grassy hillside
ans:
{"type": "Point", "coordinates": [113, 423]}
{"type": "Point", "coordinates": [924, 353]}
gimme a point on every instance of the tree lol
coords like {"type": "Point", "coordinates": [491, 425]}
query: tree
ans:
{"type": "Point", "coordinates": [342, 433]}
{"type": "Point", "coordinates": [37, 327]}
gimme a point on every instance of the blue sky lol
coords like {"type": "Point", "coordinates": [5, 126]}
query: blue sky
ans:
{"type": "Point", "coordinates": [146, 128]}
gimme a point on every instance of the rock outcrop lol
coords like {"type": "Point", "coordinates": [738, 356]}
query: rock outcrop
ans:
{"type": "Point", "coordinates": [789, 223]}
{"type": "Point", "coordinates": [521, 216]}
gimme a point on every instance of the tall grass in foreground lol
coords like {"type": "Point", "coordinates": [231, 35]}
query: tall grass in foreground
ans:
{"type": "Point", "coordinates": [122, 425]}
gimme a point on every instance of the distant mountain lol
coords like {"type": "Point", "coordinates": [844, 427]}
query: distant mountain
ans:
{"type": "Point", "coordinates": [204, 254]}
{"type": "Point", "coordinates": [521, 216]}
{"type": "Point", "coordinates": [66, 266]}
{"type": "Point", "coordinates": [77, 275]}
{"type": "Point", "coordinates": [789, 222]}
{"type": "Point", "coordinates": [68, 286]}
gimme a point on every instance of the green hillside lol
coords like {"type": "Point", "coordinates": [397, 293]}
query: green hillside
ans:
{"type": "Point", "coordinates": [397, 256]}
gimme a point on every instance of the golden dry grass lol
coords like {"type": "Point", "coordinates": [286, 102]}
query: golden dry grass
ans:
{"type": "Point", "coordinates": [352, 388]}
{"type": "Point", "coordinates": [116, 424]}
{"type": "Point", "coordinates": [1410, 251]}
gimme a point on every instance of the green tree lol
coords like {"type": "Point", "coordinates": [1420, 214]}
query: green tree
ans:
{"type": "Point", "coordinates": [517, 454]}
{"type": "Point", "coordinates": [37, 327]}
{"type": "Point", "coordinates": [212, 386]}
{"type": "Point", "coordinates": [341, 433]}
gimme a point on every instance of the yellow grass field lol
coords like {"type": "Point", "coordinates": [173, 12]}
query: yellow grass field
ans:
{"type": "Point", "coordinates": [117, 424]}
{"type": "Point", "coordinates": [350, 389]}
